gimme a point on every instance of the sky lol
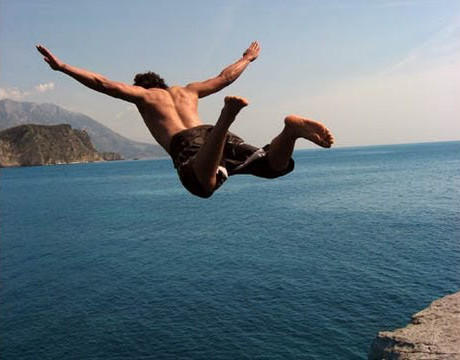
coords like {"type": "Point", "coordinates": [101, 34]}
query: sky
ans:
{"type": "Point", "coordinates": [373, 71]}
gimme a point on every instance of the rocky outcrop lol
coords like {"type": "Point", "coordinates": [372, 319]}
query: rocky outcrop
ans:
{"type": "Point", "coordinates": [15, 113]}
{"type": "Point", "coordinates": [29, 145]}
{"type": "Point", "coordinates": [434, 333]}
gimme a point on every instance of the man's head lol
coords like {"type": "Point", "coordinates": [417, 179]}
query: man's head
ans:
{"type": "Point", "coordinates": [149, 80]}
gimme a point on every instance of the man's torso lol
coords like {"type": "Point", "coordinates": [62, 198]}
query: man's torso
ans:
{"type": "Point", "coordinates": [167, 112]}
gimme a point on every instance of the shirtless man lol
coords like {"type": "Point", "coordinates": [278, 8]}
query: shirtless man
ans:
{"type": "Point", "coordinates": [203, 155]}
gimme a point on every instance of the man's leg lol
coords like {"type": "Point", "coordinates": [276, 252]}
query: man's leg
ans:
{"type": "Point", "coordinates": [208, 158]}
{"type": "Point", "coordinates": [282, 146]}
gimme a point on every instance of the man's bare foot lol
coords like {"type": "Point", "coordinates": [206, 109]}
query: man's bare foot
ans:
{"type": "Point", "coordinates": [234, 104]}
{"type": "Point", "coordinates": [310, 130]}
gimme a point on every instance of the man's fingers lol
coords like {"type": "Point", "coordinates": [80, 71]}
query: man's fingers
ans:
{"type": "Point", "coordinates": [43, 50]}
{"type": "Point", "coordinates": [253, 50]}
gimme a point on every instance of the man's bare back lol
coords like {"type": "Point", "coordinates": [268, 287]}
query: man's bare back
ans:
{"type": "Point", "coordinates": [170, 111]}
{"type": "Point", "coordinates": [167, 112]}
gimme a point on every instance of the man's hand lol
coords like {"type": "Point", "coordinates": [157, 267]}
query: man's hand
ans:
{"type": "Point", "coordinates": [52, 60]}
{"type": "Point", "coordinates": [252, 51]}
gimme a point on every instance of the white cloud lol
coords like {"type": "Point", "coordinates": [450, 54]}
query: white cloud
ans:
{"type": "Point", "coordinates": [18, 94]}
{"type": "Point", "coordinates": [127, 111]}
{"type": "Point", "coordinates": [440, 48]}
{"type": "Point", "coordinates": [44, 87]}
{"type": "Point", "coordinates": [13, 93]}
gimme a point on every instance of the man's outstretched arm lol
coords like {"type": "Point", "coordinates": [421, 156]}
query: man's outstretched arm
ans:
{"type": "Point", "coordinates": [93, 80]}
{"type": "Point", "coordinates": [228, 75]}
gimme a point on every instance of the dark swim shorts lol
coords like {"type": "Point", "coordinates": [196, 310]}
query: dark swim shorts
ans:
{"type": "Point", "coordinates": [238, 158]}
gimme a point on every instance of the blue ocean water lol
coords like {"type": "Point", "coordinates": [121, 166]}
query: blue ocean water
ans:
{"type": "Point", "coordinates": [116, 261]}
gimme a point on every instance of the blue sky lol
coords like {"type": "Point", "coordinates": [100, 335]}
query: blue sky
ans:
{"type": "Point", "coordinates": [375, 72]}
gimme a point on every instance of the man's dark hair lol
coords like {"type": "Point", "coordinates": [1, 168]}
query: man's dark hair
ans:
{"type": "Point", "coordinates": [150, 80]}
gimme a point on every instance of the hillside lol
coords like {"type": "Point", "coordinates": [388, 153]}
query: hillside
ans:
{"type": "Point", "coordinates": [14, 113]}
{"type": "Point", "coordinates": [29, 145]}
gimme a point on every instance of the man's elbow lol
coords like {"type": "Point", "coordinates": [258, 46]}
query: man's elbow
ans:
{"type": "Point", "coordinates": [101, 84]}
{"type": "Point", "coordinates": [226, 79]}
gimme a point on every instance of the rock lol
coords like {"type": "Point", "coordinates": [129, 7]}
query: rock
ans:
{"type": "Point", "coordinates": [111, 156]}
{"type": "Point", "coordinates": [29, 145]}
{"type": "Point", "coordinates": [434, 333]}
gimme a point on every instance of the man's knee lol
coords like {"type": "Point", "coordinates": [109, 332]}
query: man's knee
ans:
{"type": "Point", "coordinates": [211, 184]}
{"type": "Point", "coordinates": [193, 181]}
{"type": "Point", "coordinates": [208, 186]}
{"type": "Point", "coordinates": [196, 187]}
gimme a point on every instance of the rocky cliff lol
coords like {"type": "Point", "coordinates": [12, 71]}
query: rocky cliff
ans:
{"type": "Point", "coordinates": [29, 145]}
{"type": "Point", "coordinates": [434, 333]}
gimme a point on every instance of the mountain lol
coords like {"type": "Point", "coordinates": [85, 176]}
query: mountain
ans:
{"type": "Point", "coordinates": [28, 145]}
{"type": "Point", "coordinates": [14, 113]}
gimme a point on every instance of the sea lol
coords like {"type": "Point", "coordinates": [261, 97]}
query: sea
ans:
{"type": "Point", "coordinates": [116, 260]}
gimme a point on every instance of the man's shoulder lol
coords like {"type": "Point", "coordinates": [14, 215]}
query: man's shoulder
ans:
{"type": "Point", "coordinates": [155, 93]}
{"type": "Point", "coordinates": [181, 91]}
{"type": "Point", "coordinates": [171, 95]}
{"type": "Point", "coordinates": [178, 88]}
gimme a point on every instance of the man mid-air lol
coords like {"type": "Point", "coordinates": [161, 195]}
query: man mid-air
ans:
{"type": "Point", "coordinates": [203, 155]}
